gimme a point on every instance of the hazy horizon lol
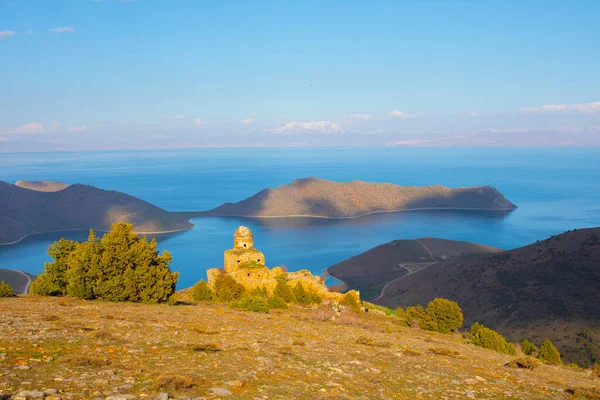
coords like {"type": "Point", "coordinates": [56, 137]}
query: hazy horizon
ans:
{"type": "Point", "coordinates": [145, 74]}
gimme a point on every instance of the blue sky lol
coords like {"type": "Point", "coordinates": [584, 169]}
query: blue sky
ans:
{"type": "Point", "coordinates": [85, 74]}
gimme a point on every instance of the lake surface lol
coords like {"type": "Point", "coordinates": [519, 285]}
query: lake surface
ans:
{"type": "Point", "coordinates": [556, 189]}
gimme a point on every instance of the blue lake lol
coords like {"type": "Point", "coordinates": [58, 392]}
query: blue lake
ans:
{"type": "Point", "coordinates": [556, 189]}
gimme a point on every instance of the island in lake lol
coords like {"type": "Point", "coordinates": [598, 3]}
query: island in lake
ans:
{"type": "Point", "coordinates": [34, 207]}
{"type": "Point", "coordinates": [314, 197]}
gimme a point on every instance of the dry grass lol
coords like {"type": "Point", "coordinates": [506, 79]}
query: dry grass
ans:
{"type": "Point", "coordinates": [147, 349]}
{"type": "Point", "coordinates": [524, 362]}
{"type": "Point", "coordinates": [210, 347]}
{"type": "Point", "coordinates": [177, 383]}
{"type": "Point", "coordinates": [584, 393]}
{"type": "Point", "coordinates": [50, 317]}
{"type": "Point", "coordinates": [442, 351]}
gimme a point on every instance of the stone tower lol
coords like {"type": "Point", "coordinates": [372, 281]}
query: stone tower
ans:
{"type": "Point", "coordinates": [243, 254]}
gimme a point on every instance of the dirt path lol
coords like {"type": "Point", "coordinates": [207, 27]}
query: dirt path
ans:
{"type": "Point", "coordinates": [410, 272]}
{"type": "Point", "coordinates": [26, 289]}
{"type": "Point", "coordinates": [426, 249]}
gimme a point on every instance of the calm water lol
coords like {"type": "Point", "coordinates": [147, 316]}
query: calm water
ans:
{"type": "Point", "coordinates": [556, 189]}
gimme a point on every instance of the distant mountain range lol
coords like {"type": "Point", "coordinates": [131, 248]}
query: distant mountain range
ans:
{"type": "Point", "coordinates": [313, 197]}
{"type": "Point", "coordinates": [34, 207]}
{"type": "Point", "coordinates": [547, 289]}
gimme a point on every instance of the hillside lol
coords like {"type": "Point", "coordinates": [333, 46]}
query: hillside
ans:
{"type": "Point", "coordinates": [42, 186]}
{"type": "Point", "coordinates": [18, 280]}
{"type": "Point", "coordinates": [547, 289]}
{"type": "Point", "coordinates": [313, 197]}
{"type": "Point", "coordinates": [371, 271]}
{"type": "Point", "coordinates": [93, 349]}
{"type": "Point", "coordinates": [25, 211]}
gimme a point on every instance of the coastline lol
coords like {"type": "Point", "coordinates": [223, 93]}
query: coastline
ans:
{"type": "Point", "coordinates": [87, 229]}
{"type": "Point", "coordinates": [202, 214]}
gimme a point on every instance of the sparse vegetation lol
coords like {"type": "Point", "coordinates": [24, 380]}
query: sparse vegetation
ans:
{"type": "Point", "coordinates": [227, 289]}
{"type": "Point", "coordinates": [549, 353]}
{"type": "Point", "coordinates": [210, 347]}
{"type": "Point", "coordinates": [490, 339]}
{"type": "Point", "coordinates": [442, 351]}
{"type": "Point", "coordinates": [174, 383]}
{"type": "Point", "coordinates": [528, 348]}
{"type": "Point", "coordinates": [351, 300]}
{"type": "Point", "coordinates": [252, 303]}
{"type": "Point", "coordinates": [201, 292]}
{"type": "Point", "coordinates": [5, 289]}
{"type": "Point", "coordinates": [524, 362]}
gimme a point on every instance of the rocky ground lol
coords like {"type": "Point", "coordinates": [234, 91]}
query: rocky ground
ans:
{"type": "Point", "coordinates": [62, 348]}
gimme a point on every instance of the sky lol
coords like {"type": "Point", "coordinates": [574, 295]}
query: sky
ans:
{"type": "Point", "coordinates": [135, 74]}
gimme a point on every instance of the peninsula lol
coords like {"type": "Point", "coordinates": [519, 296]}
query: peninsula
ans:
{"type": "Point", "coordinates": [36, 207]}
{"type": "Point", "coordinates": [314, 197]}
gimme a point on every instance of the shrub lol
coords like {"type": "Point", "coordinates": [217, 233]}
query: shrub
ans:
{"type": "Point", "coordinates": [121, 266]}
{"type": "Point", "coordinates": [596, 369]}
{"type": "Point", "coordinates": [173, 383]}
{"type": "Point", "coordinates": [528, 348]}
{"type": "Point", "coordinates": [210, 347]}
{"type": "Point", "coordinates": [201, 292]}
{"type": "Point", "coordinates": [442, 351]}
{"type": "Point", "coordinates": [42, 286]}
{"type": "Point", "coordinates": [283, 290]}
{"type": "Point", "coordinates": [490, 339]}
{"type": "Point", "coordinates": [417, 317]}
{"type": "Point", "coordinates": [277, 302]}
{"type": "Point", "coordinates": [351, 300]}
{"type": "Point", "coordinates": [252, 303]}
{"type": "Point", "coordinates": [549, 353]}
{"type": "Point", "coordinates": [401, 314]}
{"type": "Point", "coordinates": [5, 289]}
{"type": "Point", "coordinates": [446, 315]}
{"type": "Point", "coordinates": [300, 294]}
{"type": "Point", "coordinates": [227, 289]}
{"type": "Point", "coordinates": [524, 362]}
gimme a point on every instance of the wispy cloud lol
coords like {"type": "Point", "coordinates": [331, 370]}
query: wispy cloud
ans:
{"type": "Point", "coordinates": [159, 137]}
{"type": "Point", "coordinates": [31, 128]}
{"type": "Point", "coordinates": [583, 108]}
{"type": "Point", "coordinates": [80, 128]}
{"type": "Point", "coordinates": [400, 114]}
{"type": "Point", "coordinates": [326, 127]}
{"type": "Point", "coordinates": [359, 116]}
{"type": "Point", "coordinates": [198, 121]}
{"type": "Point", "coordinates": [252, 114]}
{"type": "Point", "coordinates": [28, 32]}
{"type": "Point", "coordinates": [176, 117]}
{"type": "Point", "coordinates": [246, 121]}
{"type": "Point", "coordinates": [62, 29]}
{"type": "Point", "coordinates": [6, 34]}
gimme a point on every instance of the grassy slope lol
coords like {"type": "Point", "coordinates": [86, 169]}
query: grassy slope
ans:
{"type": "Point", "coordinates": [88, 348]}
{"type": "Point", "coordinates": [547, 289]}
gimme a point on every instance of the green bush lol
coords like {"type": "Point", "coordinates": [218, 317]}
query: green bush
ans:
{"type": "Point", "coordinates": [528, 348]}
{"type": "Point", "coordinates": [201, 292]}
{"type": "Point", "coordinates": [283, 290]}
{"type": "Point", "coordinates": [227, 289]}
{"type": "Point", "coordinates": [549, 353]}
{"type": "Point", "coordinates": [121, 266]}
{"type": "Point", "coordinates": [351, 300]}
{"type": "Point", "coordinates": [42, 286]}
{"type": "Point", "coordinates": [401, 314]}
{"type": "Point", "coordinates": [301, 295]}
{"type": "Point", "coordinates": [490, 339]}
{"type": "Point", "coordinates": [5, 289]}
{"type": "Point", "coordinates": [445, 315]}
{"type": "Point", "coordinates": [277, 302]}
{"type": "Point", "coordinates": [252, 303]}
{"type": "Point", "coordinates": [417, 315]}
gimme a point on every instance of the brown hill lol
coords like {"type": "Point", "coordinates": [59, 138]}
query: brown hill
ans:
{"type": "Point", "coordinates": [372, 270]}
{"type": "Point", "coordinates": [548, 289]}
{"type": "Point", "coordinates": [313, 197]}
{"type": "Point", "coordinates": [92, 349]}
{"type": "Point", "coordinates": [24, 211]}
